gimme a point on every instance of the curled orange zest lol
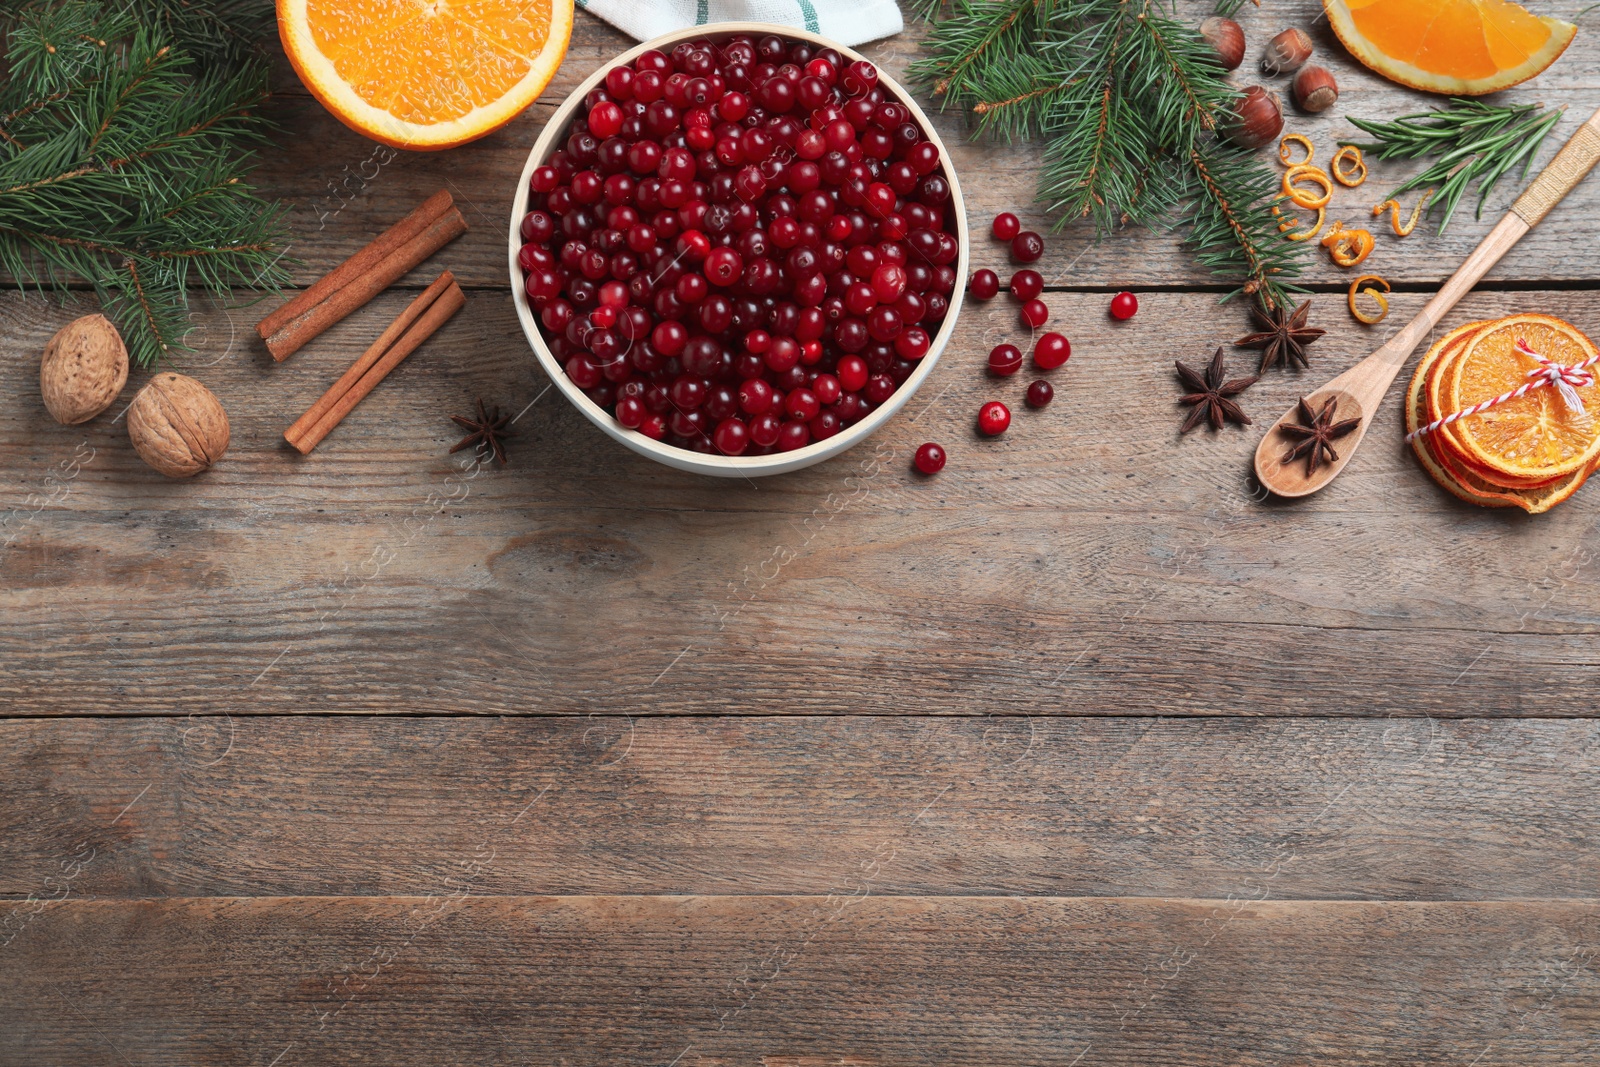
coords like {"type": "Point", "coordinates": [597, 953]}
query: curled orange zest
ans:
{"type": "Point", "coordinates": [1347, 248]}
{"type": "Point", "coordinates": [1393, 206]}
{"type": "Point", "coordinates": [1293, 139]}
{"type": "Point", "coordinates": [1285, 225]}
{"type": "Point", "coordinates": [1314, 175]}
{"type": "Point", "coordinates": [1349, 153]}
{"type": "Point", "coordinates": [1383, 301]}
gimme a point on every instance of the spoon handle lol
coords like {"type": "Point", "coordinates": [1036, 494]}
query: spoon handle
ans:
{"type": "Point", "coordinates": [1368, 381]}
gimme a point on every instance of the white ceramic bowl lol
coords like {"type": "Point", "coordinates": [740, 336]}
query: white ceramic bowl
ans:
{"type": "Point", "coordinates": [683, 459]}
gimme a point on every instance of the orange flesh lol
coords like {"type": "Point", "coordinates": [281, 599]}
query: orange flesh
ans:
{"type": "Point", "coordinates": [389, 51]}
{"type": "Point", "coordinates": [1467, 39]}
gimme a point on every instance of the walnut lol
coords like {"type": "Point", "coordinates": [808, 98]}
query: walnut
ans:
{"type": "Point", "coordinates": [85, 366]}
{"type": "Point", "coordinates": [177, 425]}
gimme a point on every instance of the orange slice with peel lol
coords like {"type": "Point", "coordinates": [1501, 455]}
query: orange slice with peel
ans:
{"type": "Point", "coordinates": [1462, 47]}
{"type": "Point", "coordinates": [425, 74]}
{"type": "Point", "coordinates": [1535, 436]}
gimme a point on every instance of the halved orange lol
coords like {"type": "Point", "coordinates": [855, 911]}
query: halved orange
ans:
{"type": "Point", "coordinates": [1462, 47]}
{"type": "Point", "coordinates": [425, 74]}
{"type": "Point", "coordinates": [1535, 436]}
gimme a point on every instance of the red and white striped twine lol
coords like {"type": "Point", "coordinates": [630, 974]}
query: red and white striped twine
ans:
{"type": "Point", "coordinates": [1566, 377]}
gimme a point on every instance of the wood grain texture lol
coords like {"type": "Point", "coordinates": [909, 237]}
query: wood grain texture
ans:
{"type": "Point", "coordinates": [1404, 809]}
{"type": "Point", "coordinates": [1088, 562]}
{"type": "Point", "coordinates": [343, 190]}
{"type": "Point", "coordinates": [730, 980]}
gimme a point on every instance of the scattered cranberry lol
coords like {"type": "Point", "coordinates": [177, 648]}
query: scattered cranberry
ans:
{"type": "Point", "coordinates": [1005, 360]}
{"type": "Point", "coordinates": [930, 458]}
{"type": "Point", "coordinates": [1051, 350]}
{"type": "Point", "coordinates": [1027, 246]}
{"type": "Point", "coordinates": [1035, 314]}
{"type": "Point", "coordinates": [741, 249]}
{"type": "Point", "coordinates": [993, 418]}
{"type": "Point", "coordinates": [1124, 306]}
{"type": "Point", "coordinates": [1027, 284]}
{"type": "Point", "coordinates": [985, 283]}
{"type": "Point", "coordinates": [1040, 394]}
{"type": "Point", "coordinates": [1006, 226]}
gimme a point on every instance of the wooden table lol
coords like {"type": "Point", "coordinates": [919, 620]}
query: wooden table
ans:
{"type": "Point", "coordinates": [1078, 753]}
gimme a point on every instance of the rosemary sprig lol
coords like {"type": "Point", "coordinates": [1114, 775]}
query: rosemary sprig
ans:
{"type": "Point", "coordinates": [1470, 142]}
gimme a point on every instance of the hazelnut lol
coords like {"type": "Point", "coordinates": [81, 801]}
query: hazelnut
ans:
{"type": "Point", "coordinates": [177, 425]}
{"type": "Point", "coordinates": [1286, 52]}
{"type": "Point", "coordinates": [85, 366]}
{"type": "Point", "coordinates": [1257, 118]}
{"type": "Point", "coordinates": [1314, 89]}
{"type": "Point", "coordinates": [1226, 39]}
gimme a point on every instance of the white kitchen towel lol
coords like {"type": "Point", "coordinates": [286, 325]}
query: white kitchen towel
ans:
{"type": "Point", "coordinates": [846, 21]}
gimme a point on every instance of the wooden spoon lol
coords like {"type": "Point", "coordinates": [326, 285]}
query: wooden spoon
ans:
{"type": "Point", "coordinates": [1360, 389]}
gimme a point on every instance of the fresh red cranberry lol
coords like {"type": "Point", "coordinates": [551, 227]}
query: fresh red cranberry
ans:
{"type": "Point", "coordinates": [765, 428]}
{"type": "Point", "coordinates": [1005, 226]}
{"type": "Point", "coordinates": [724, 267]}
{"type": "Point", "coordinates": [1027, 246]}
{"type": "Point", "coordinates": [1026, 284]}
{"type": "Point", "coordinates": [828, 389]}
{"type": "Point", "coordinates": [630, 412]}
{"type": "Point", "coordinates": [852, 373]}
{"type": "Point", "coordinates": [793, 435]}
{"type": "Point", "coordinates": [984, 285]}
{"type": "Point", "coordinates": [1005, 360]}
{"type": "Point", "coordinates": [1035, 314]}
{"type": "Point", "coordinates": [1051, 350]}
{"type": "Point", "coordinates": [913, 343]}
{"type": "Point", "coordinates": [1124, 306]}
{"type": "Point", "coordinates": [731, 437]}
{"type": "Point", "coordinates": [605, 119]}
{"type": "Point", "coordinates": [755, 396]}
{"type": "Point", "coordinates": [930, 458]}
{"type": "Point", "coordinates": [1040, 393]}
{"type": "Point", "coordinates": [993, 418]}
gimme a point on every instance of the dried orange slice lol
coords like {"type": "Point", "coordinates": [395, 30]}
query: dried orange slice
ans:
{"type": "Point", "coordinates": [1446, 439]}
{"type": "Point", "coordinates": [1464, 47]}
{"type": "Point", "coordinates": [1445, 467]}
{"type": "Point", "coordinates": [1534, 436]}
{"type": "Point", "coordinates": [425, 74]}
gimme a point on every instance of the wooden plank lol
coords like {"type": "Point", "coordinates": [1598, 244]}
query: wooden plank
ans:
{"type": "Point", "coordinates": [849, 977]}
{"type": "Point", "coordinates": [268, 806]}
{"type": "Point", "coordinates": [1087, 561]}
{"type": "Point", "coordinates": [343, 189]}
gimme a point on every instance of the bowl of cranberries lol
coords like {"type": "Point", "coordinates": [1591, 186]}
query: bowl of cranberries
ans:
{"type": "Point", "coordinates": [737, 249]}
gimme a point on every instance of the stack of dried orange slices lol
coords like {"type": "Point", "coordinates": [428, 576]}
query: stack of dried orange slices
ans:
{"type": "Point", "coordinates": [1491, 422]}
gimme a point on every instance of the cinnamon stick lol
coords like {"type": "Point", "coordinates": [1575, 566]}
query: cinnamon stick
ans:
{"type": "Point", "coordinates": [364, 283]}
{"type": "Point", "coordinates": [364, 260]}
{"type": "Point", "coordinates": [432, 308]}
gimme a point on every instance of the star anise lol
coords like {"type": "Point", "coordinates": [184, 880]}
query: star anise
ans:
{"type": "Point", "coordinates": [1316, 435]}
{"type": "Point", "coordinates": [489, 430]}
{"type": "Point", "coordinates": [1209, 395]}
{"type": "Point", "coordinates": [1285, 335]}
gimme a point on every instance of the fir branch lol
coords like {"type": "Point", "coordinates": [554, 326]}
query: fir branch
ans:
{"type": "Point", "coordinates": [1473, 142]}
{"type": "Point", "coordinates": [1126, 99]}
{"type": "Point", "coordinates": [123, 164]}
{"type": "Point", "coordinates": [1238, 238]}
